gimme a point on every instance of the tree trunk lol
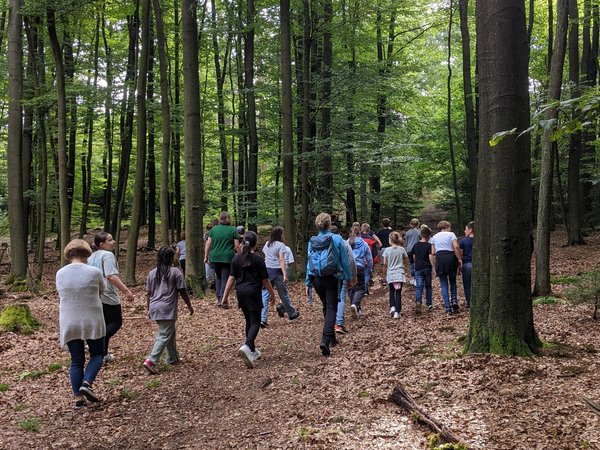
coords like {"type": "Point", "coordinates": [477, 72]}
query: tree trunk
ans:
{"type": "Point", "coordinates": [72, 112]}
{"type": "Point", "coordinates": [140, 169]}
{"type": "Point", "coordinates": [61, 116]}
{"type": "Point", "coordinates": [251, 117]}
{"type": "Point", "coordinates": [150, 212]}
{"type": "Point", "coordinates": [575, 143]}
{"type": "Point", "coordinates": [16, 208]}
{"type": "Point", "coordinates": [289, 218]}
{"type": "Point", "coordinates": [306, 120]}
{"type": "Point", "coordinates": [177, 133]}
{"type": "Point", "coordinates": [192, 138]}
{"type": "Point", "coordinates": [542, 260]}
{"type": "Point", "coordinates": [470, 132]}
{"type": "Point", "coordinates": [108, 129]}
{"type": "Point", "coordinates": [501, 308]}
{"type": "Point", "coordinates": [327, 191]}
{"type": "Point", "coordinates": [242, 127]}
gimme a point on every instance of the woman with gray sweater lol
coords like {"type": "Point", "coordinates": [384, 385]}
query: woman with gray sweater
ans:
{"type": "Point", "coordinates": [80, 288]}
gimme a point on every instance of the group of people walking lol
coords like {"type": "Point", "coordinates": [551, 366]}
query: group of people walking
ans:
{"type": "Point", "coordinates": [337, 270]}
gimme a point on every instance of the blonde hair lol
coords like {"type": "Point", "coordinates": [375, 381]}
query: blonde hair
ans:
{"type": "Point", "coordinates": [323, 221]}
{"type": "Point", "coordinates": [396, 239]}
{"type": "Point", "coordinates": [414, 223]}
{"type": "Point", "coordinates": [77, 248]}
{"type": "Point", "coordinates": [443, 225]}
{"type": "Point", "coordinates": [365, 227]}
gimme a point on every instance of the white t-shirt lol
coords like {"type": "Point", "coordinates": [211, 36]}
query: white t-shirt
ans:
{"type": "Point", "coordinates": [107, 263]}
{"type": "Point", "coordinates": [272, 253]}
{"type": "Point", "coordinates": [443, 241]}
{"type": "Point", "coordinates": [288, 255]}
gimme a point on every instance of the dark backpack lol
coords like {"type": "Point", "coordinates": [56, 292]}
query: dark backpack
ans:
{"type": "Point", "coordinates": [321, 258]}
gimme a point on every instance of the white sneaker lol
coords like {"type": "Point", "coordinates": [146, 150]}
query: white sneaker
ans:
{"type": "Point", "coordinates": [413, 282]}
{"type": "Point", "coordinates": [246, 354]}
{"type": "Point", "coordinates": [355, 312]}
{"type": "Point", "coordinates": [256, 354]}
{"type": "Point", "coordinates": [392, 311]}
{"type": "Point", "coordinates": [109, 358]}
{"type": "Point", "coordinates": [396, 315]}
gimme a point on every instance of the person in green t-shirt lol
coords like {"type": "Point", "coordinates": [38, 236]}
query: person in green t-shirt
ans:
{"type": "Point", "coordinates": [222, 243]}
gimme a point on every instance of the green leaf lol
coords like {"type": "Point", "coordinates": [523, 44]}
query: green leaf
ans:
{"type": "Point", "coordinates": [498, 137]}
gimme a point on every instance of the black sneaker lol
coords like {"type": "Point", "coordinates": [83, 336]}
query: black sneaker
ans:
{"type": "Point", "coordinates": [455, 307]}
{"type": "Point", "coordinates": [264, 324]}
{"type": "Point", "coordinates": [87, 391]}
{"type": "Point", "coordinates": [80, 403]}
{"type": "Point", "coordinates": [295, 317]}
{"type": "Point", "coordinates": [324, 348]}
{"type": "Point", "coordinates": [280, 308]}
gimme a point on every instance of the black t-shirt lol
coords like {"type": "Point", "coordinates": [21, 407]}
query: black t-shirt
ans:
{"type": "Point", "coordinates": [421, 252]}
{"type": "Point", "coordinates": [466, 245]}
{"type": "Point", "coordinates": [384, 237]}
{"type": "Point", "coordinates": [248, 280]}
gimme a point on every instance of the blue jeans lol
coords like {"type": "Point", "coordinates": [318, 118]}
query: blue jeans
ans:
{"type": "Point", "coordinates": [444, 280]}
{"type": "Point", "coordinates": [467, 270]}
{"type": "Point", "coordinates": [276, 277]}
{"type": "Point", "coordinates": [165, 338]}
{"type": "Point", "coordinates": [77, 373]}
{"type": "Point", "coordinates": [423, 278]}
{"type": "Point", "coordinates": [341, 308]}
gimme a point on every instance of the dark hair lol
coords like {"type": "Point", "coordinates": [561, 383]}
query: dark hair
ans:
{"type": "Point", "coordinates": [471, 226]}
{"type": "Point", "coordinates": [164, 261]}
{"type": "Point", "coordinates": [385, 222]}
{"type": "Point", "coordinates": [426, 232]}
{"type": "Point", "coordinates": [276, 235]}
{"type": "Point", "coordinates": [334, 229]}
{"type": "Point", "coordinates": [248, 244]}
{"type": "Point", "coordinates": [99, 239]}
{"type": "Point", "coordinates": [224, 218]}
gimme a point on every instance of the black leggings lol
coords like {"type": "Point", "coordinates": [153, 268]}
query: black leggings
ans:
{"type": "Point", "coordinates": [252, 325]}
{"type": "Point", "coordinates": [113, 317]}
{"type": "Point", "coordinates": [222, 273]}
{"type": "Point", "coordinates": [328, 290]}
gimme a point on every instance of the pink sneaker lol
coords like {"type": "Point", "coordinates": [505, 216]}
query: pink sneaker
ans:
{"type": "Point", "coordinates": [150, 367]}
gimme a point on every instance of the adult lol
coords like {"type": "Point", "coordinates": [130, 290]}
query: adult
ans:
{"type": "Point", "coordinates": [80, 287]}
{"type": "Point", "coordinates": [466, 248]}
{"type": "Point", "coordinates": [104, 259]}
{"type": "Point", "coordinates": [221, 244]}
{"type": "Point", "coordinates": [327, 286]}
{"type": "Point", "coordinates": [411, 238]}
{"type": "Point", "coordinates": [384, 238]}
{"type": "Point", "coordinates": [447, 258]}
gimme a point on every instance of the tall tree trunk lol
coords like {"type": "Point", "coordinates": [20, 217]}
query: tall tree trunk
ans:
{"type": "Point", "coordinates": [61, 116]}
{"type": "Point", "coordinates": [289, 218]}
{"type": "Point", "coordinates": [140, 169]}
{"type": "Point", "coordinates": [501, 308]}
{"type": "Point", "coordinates": [542, 260]}
{"type": "Point", "coordinates": [242, 124]}
{"type": "Point", "coordinates": [166, 124]}
{"type": "Point", "coordinates": [351, 214]}
{"type": "Point", "coordinates": [72, 112]}
{"type": "Point", "coordinates": [150, 213]}
{"type": "Point", "coordinates": [470, 131]}
{"type": "Point", "coordinates": [306, 119]}
{"type": "Point", "coordinates": [327, 192]}
{"type": "Point", "coordinates": [252, 129]}
{"type": "Point", "coordinates": [575, 141]}
{"type": "Point", "coordinates": [108, 128]}
{"type": "Point", "coordinates": [192, 138]}
{"type": "Point", "coordinates": [177, 132]}
{"type": "Point", "coordinates": [449, 116]}
{"type": "Point", "coordinates": [16, 209]}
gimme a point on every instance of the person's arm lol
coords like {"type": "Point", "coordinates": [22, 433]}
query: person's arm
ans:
{"type": "Point", "coordinates": [283, 267]}
{"type": "Point", "coordinates": [369, 257]}
{"type": "Point", "coordinates": [116, 282]}
{"type": "Point", "coordinates": [384, 270]}
{"type": "Point", "coordinates": [236, 246]}
{"type": "Point", "coordinates": [457, 251]}
{"type": "Point", "coordinates": [432, 259]}
{"type": "Point", "coordinates": [377, 240]}
{"type": "Point", "coordinates": [228, 286]}
{"type": "Point", "coordinates": [207, 245]}
{"type": "Point", "coordinates": [267, 285]}
{"type": "Point", "coordinates": [186, 299]}
{"type": "Point", "coordinates": [406, 264]}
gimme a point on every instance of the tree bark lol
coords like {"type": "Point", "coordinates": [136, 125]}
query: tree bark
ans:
{"type": "Point", "coordinates": [140, 169]}
{"type": "Point", "coordinates": [542, 260]}
{"type": "Point", "coordinates": [251, 116]}
{"type": "Point", "coordinates": [16, 209]}
{"type": "Point", "coordinates": [501, 308]}
{"type": "Point", "coordinates": [326, 185]}
{"type": "Point", "coordinates": [150, 180]}
{"type": "Point", "coordinates": [108, 129]}
{"type": "Point", "coordinates": [192, 138]}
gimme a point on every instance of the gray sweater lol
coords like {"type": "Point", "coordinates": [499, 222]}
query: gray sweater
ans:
{"type": "Point", "coordinates": [81, 316]}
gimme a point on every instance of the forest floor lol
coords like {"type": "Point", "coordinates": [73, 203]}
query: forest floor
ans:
{"type": "Point", "coordinates": [296, 398]}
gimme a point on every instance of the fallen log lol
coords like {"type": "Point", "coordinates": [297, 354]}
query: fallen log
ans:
{"type": "Point", "coordinates": [402, 398]}
{"type": "Point", "coordinates": [592, 405]}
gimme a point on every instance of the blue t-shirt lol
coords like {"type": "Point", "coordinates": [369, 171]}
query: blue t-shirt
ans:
{"type": "Point", "coordinates": [466, 245]}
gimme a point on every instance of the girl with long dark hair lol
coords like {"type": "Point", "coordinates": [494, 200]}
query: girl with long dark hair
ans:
{"type": "Point", "coordinates": [164, 285]}
{"type": "Point", "coordinates": [249, 273]}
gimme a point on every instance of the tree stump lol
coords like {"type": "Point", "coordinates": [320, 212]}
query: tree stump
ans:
{"type": "Point", "coordinates": [18, 319]}
{"type": "Point", "coordinates": [402, 398]}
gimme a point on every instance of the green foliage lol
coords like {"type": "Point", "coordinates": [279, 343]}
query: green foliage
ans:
{"type": "Point", "coordinates": [549, 300]}
{"type": "Point", "coordinates": [18, 319]}
{"type": "Point", "coordinates": [3, 387]}
{"type": "Point", "coordinates": [32, 374]}
{"type": "Point", "coordinates": [586, 290]}
{"type": "Point", "coordinates": [128, 394]}
{"type": "Point", "coordinates": [30, 424]}
{"type": "Point", "coordinates": [564, 279]}
{"type": "Point", "coordinates": [54, 367]}
{"type": "Point", "coordinates": [153, 383]}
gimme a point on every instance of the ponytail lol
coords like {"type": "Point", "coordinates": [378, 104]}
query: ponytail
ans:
{"type": "Point", "coordinates": [248, 244]}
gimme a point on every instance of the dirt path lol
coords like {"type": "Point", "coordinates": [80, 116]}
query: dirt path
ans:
{"type": "Point", "coordinates": [297, 398]}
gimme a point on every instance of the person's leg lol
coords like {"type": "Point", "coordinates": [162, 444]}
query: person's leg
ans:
{"type": "Point", "coordinates": [163, 333]}
{"type": "Point", "coordinates": [428, 287]}
{"type": "Point", "coordinates": [398, 298]}
{"type": "Point", "coordinates": [453, 290]}
{"type": "Point", "coordinates": [217, 269]}
{"type": "Point", "coordinates": [173, 354]}
{"type": "Point", "coordinates": [182, 265]}
{"type": "Point", "coordinates": [96, 347]}
{"type": "Point", "coordinates": [77, 351]}
{"type": "Point", "coordinates": [253, 319]}
{"type": "Point", "coordinates": [224, 276]}
{"type": "Point", "coordinates": [392, 297]}
{"type": "Point", "coordinates": [467, 270]}
{"type": "Point", "coordinates": [444, 285]}
{"type": "Point", "coordinates": [284, 296]}
{"type": "Point", "coordinates": [264, 315]}
{"type": "Point", "coordinates": [420, 279]}
{"type": "Point", "coordinates": [113, 318]}
{"type": "Point", "coordinates": [327, 288]}
{"type": "Point", "coordinates": [341, 306]}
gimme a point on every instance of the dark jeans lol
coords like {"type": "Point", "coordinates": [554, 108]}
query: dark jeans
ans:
{"type": "Point", "coordinates": [113, 318]}
{"type": "Point", "coordinates": [252, 324]}
{"type": "Point", "coordinates": [77, 373]}
{"type": "Point", "coordinates": [357, 292]}
{"type": "Point", "coordinates": [467, 270]}
{"type": "Point", "coordinates": [423, 278]}
{"type": "Point", "coordinates": [327, 289]}
{"type": "Point", "coordinates": [222, 273]}
{"type": "Point", "coordinates": [396, 297]}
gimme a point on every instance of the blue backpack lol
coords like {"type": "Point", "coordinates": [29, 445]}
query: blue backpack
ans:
{"type": "Point", "coordinates": [321, 258]}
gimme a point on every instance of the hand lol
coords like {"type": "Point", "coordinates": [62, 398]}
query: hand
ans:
{"type": "Point", "coordinates": [191, 309]}
{"type": "Point", "coordinates": [352, 282]}
{"type": "Point", "coordinates": [129, 296]}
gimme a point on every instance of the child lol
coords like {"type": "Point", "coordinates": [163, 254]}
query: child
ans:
{"type": "Point", "coordinates": [249, 273]}
{"type": "Point", "coordinates": [163, 286]}
{"type": "Point", "coordinates": [448, 262]}
{"type": "Point", "coordinates": [423, 262]}
{"type": "Point", "coordinates": [394, 258]}
{"type": "Point", "coordinates": [412, 237]}
{"type": "Point", "coordinates": [466, 247]}
{"type": "Point", "coordinates": [211, 277]}
{"type": "Point", "coordinates": [364, 263]}
{"type": "Point", "coordinates": [181, 247]}
{"type": "Point", "coordinates": [374, 243]}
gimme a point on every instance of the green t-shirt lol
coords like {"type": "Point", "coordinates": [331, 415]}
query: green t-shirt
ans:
{"type": "Point", "coordinates": [221, 246]}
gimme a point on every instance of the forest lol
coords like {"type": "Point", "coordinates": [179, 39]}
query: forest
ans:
{"type": "Point", "coordinates": [147, 118]}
